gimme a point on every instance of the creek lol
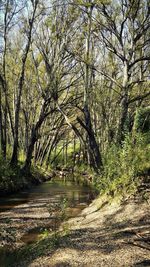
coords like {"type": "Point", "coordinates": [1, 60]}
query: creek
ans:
{"type": "Point", "coordinates": [33, 211]}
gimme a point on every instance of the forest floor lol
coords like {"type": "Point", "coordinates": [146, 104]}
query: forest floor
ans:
{"type": "Point", "coordinates": [106, 233]}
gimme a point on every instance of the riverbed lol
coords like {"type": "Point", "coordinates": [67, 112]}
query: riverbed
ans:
{"type": "Point", "coordinates": [25, 216]}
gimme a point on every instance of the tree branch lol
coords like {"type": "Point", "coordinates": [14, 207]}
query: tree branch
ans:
{"type": "Point", "coordinates": [140, 97]}
{"type": "Point", "coordinates": [138, 60]}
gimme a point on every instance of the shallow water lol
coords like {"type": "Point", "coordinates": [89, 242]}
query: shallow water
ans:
{"type": "Point", "coordinates": [74, 195]}
{"type": "Point", "coordinates": [75, 192]}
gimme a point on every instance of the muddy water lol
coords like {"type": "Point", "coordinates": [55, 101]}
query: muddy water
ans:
{"type": "Point", "coordinates": [44, 202]}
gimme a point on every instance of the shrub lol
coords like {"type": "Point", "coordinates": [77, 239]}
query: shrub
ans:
{"type": "Point", "coordinates": [123, 165]}
{"type": "Point", "coordinates": [142, 120]}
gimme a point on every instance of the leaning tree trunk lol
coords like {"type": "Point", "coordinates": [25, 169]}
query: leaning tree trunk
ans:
{"type": "Point", "coordinates": [34, 137]}
{"type": "Point", "coordinates": [94, 152]}
{"type": "Point", "coordinates": [14, 158]}
{"type": "Point", "coordinates": [93, 148]}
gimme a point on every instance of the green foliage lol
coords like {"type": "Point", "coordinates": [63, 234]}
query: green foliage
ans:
{"type": "Point", "coordinates": [47, 241]}
{"type": "Point", "coordinates": [60, 158]}
{"type": "Point", "coordinates": [25, 255]}
{"type": "Point", "coordinates": [63, 207]}
{"type": "Point", "coordinates": [123, 165]}
{"type": "Point", "coordinates": [9, 178]}
{"type": "Point", "coordinates": [12, 179]}
{"type": "Point", "coordinates": [58, 213]}
{"type": "Point", "coordinates": [60, 210]}
{"type": "Point", "coordinates": [142, 120]}
{"type": "Point", "coordinates": [19, 257]}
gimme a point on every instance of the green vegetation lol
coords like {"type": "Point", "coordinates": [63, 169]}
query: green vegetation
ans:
{"type": "Point", "coordinates": [10, 180]}
{"type": "Point", "coordinates": [78, 99]}
{"type": "Point", "coordinates": [124, 166]}
{"type": "Point", "coordinates": [27, 253]}
{"type": "Point", "coordinates": [13, 180]}
{"type": "Point", "coordinates": [142, 121]}
{"type": "Point", "coordinates": [74, 96]}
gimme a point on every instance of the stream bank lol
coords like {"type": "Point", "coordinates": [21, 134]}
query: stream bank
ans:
{"type": "Point", "coordinates": [105, 234]}
{"type": "Point", "coordinates": [28, 217]}
{"type": "Point", "coordinates": [109, 232]}
{"type": "Point", "coordinates": [12, 180]}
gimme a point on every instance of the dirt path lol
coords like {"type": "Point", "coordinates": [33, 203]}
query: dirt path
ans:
{"type": "Point", "coordinates": [113, 235]}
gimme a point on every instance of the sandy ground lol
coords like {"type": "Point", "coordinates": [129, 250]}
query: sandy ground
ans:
{"type": "Point", "coordinates": [105, 235]}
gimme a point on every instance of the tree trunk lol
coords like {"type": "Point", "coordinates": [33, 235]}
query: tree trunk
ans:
{"type": "Point", "coordinates": [27, 165]}
{"type": "Point", "coordinates": [124, 105]}
{"type": "Point", "coordinates": [123, 119]}
{"type": "Point", "coordinates": [14, 158]}
{"type": "Point", "coordinates": [1, 127]}
{"type": "Point", "coordinates": [93, 148]}
{"type": "Point", "coordinates": [34, 137]}
{"type": "Point", "coordinates": [45, 150]}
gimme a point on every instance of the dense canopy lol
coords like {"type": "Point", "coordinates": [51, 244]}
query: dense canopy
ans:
{"type": "Point", "coordinates": [73, 75]}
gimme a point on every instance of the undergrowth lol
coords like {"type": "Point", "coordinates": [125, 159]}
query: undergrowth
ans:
{"type": "Point", "coordinates": [13, 180]}
{"type": "Point", "coordinates": [10, 177]}
{"type": "Point", "coordinates": [124, 165]}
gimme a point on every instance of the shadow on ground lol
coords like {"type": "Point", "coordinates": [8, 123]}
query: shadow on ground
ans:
{"type": "Point", "coordinates": [111, 238]}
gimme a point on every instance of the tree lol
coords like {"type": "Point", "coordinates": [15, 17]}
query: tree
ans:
{"type": "Point", "coordinates": [29, 29]}
{"type": "Point", "coordinates": [82, 65]}
{"type": "Point", "coordinates": [124, 31]}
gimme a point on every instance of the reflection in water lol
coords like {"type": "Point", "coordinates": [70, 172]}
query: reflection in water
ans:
{"type": "Point", "coordinates": [50, 195]}
{"type": "Point", "coordinates": [54, 190]}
